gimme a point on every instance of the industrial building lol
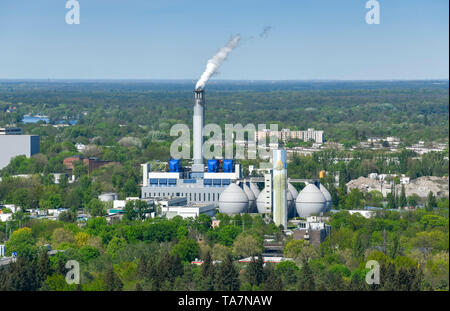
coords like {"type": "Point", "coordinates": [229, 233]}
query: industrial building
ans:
{"type": "Point", "coordinates": [193, 183]}
{"type": "Point", "coordinates": [312, 230]}
{"type": "Point", "coordinates": [191, 210]}
{"type": "Point", "coordinates": [13, 144]}
{"type": "Point", "coordinates": [187, 183]}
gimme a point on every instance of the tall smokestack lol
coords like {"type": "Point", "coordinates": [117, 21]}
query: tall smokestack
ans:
{"type": "Point", "coordinates": [199, 114]}
{"type": "Point", "coordinates": [199, 106]}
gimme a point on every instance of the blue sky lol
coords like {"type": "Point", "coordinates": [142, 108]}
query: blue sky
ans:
{"type": "Point", "coordinates": [173, 39]}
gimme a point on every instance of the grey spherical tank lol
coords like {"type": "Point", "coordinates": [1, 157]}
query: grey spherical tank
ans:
{"type": "Point", "coordinates": [294, 193]}
{"type": "Point", "coordinates": [290, 204]}
{"type": "Point", "coordinates": [310, 201]}
{"type": "Point", "coordinates": [233, 200]}
{"type": "Point", "coordinates": [327, 196]}
{"type": "Point", "coordinates": [260, 203]}
{"type": "Point", "coordinates": [251, 199]}
{"type": "Point", "coordinates": [255, 189]}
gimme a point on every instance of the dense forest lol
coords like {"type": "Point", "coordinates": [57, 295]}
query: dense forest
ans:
{"type": "Point", "coordinates": [346, 111]}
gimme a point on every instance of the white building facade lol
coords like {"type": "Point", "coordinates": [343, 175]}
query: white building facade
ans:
{"type": "Point", "coordinates": [287, 134]}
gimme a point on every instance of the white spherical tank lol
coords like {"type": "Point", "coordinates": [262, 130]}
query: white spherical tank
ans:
{"type": "Point", "coordinates": [233, 200]}
{"type": "Point", "coordinates": [327, 196]}
{"type": "Point", "coordinates": [254, 189]}
{"type": "Point", "coordinates": [310, 201]}
{"type": "Point", "coordinates": [260, 203]}
{"type": "Point", "coordinates": [251, 199]}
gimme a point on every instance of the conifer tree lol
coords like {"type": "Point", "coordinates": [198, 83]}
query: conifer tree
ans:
{"type": "Point", "coordinates": [61, 267]}
{"type": "Point", "coordinates": [306, 280]}
{"type": "Point", "coordinates": [357, 283]}
{"type": "Point", "coordinates": [388, 277]}
{"type": "Point", "coordinates": [150, 268]}
{"type": "Point", "coordinates": [334, 281]}
{"type": "Point", "coordinates": [403, 200]}
{"type": "Point", "coordinates": [161, 272]}
{"type": "Point", "coordinates": [207, 282]}
{"type": "Point", "coordinates": [416, 284]}
{"type": "Point", "coordinates": [175, 267]}
{"type": "Point", "coordinates": [4, 282]}
{"type": "Point", "coordinates": [394, 246]}
{"type": "Point", "coordinates": [112, 280]}
{"type": "Point", "coordinates": [359, 246]}
{"type": "Point", "coordinates": [255, 271]}
{"type": "Point", "coordinates": [207, 266]}
{"type": "Point", "coordinates": [43, 267]}
{"type": "Point", "coordinates": [272, 281]}
{"type": "Point", "coordinates": [138, 287]}
{"type": "Point", "coordinates": [22, 275]}
{"type": "Point", "coordinates": [431, 201]}
{"type": "Point", "coordinates": [142, 266]}
{"type": "Point", "coordinates": [227, 277]}
{"type": "Point", "coordinates": [402, 280]}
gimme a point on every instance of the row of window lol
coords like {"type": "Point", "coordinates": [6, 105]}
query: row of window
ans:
{"type": "Point", "coordinates": [172, 182]}
{"type": "Point", "coordinates": [162, 182]}
{"type": "Point", "coordinates": [196, 197]}
{"type": "Point", "coordinates": [216, 182]}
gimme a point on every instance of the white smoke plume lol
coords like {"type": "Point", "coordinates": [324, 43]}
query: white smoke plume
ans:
{"type": "Point", "coordinates": [217, 60]}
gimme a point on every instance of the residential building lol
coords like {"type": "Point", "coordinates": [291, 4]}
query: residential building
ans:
{"type": "Point", "coordinates": [91, 163]}
{"type": "Point", "coordinates": [287, 134]}
{"type": "Point", "coordinates": [10, 131]}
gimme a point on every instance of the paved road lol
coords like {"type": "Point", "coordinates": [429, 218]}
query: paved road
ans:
{"type": "Point", "coordinates": [293, 180]}
{"type": "Point", "coordinates": [6, 260]}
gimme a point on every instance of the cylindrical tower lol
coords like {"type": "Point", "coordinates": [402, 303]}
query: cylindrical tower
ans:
{"type": "Point", "coordinates": [279, 173]}
{"type": "Point", "coordinates": [199, 114]}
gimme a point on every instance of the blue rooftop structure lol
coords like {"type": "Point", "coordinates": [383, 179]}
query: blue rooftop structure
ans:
{"type": "Point", "coordinates": [35, 119]}
{"type": "Point", "coordinates": [70, 122]}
